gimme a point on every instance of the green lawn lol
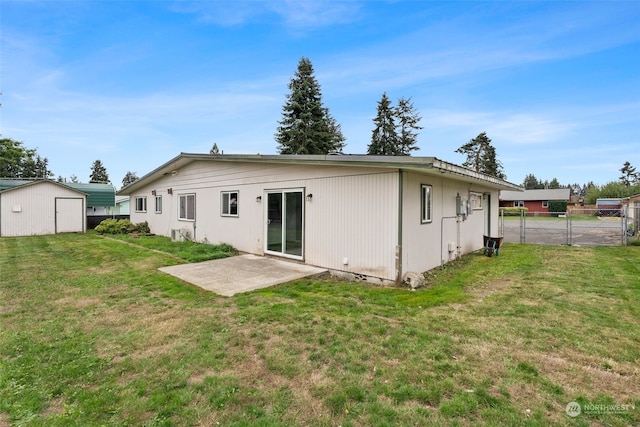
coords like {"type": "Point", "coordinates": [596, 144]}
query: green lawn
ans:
{"type": "Point", "coordinates": [92, 334]}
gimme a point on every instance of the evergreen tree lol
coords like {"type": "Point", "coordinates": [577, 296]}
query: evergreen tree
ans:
{"type": "Point", "coordinates": [531, 182]}
{"type": "Point", "coordinates": [74, 179]}
{"type": "Point", "coordinates": [629, 174]}
{"type": "Point", "coordinates": [129, 178]}
{"type": "Point", "coordinates": [481, 156]}
{"type": "Point", "coordinates": [306, 125]}
{"type": "Point", "coordinates": [214, 149]}
{"type": "Point", "coordinates": [554, 184]}
{"type": "Point", "coordinates": [384, 139]}
{"type": "Point", "coordinates": [98, 173]}
{"type": "Point", "coordinates": [408, 119]}
{"type": "Point", "coordinates": [336, 131]}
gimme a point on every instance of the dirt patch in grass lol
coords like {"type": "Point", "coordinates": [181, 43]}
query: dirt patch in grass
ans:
{"type": "Point", "coordinates": [4, 420]}
{"type": "Point", "coordinates": [77, 303]}
{"type": "Point", "coordinates": [575, 372]}
{"type": "Point", "coordinates": [56, 406]}
{"type": "Point", "coordinates": [485, 289]}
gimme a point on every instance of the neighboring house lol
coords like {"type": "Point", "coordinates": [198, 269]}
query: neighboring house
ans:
{"type": "Point", "coordinates": [536, 201]}
{"type": "Point", "coordinates": [375, 217]}
{"type": "Point", "coordinates": [33, 207]}
{"type": "Point", "coordinates": [122, 205]}
{"type": "Point", "coordinates": [101, 198]}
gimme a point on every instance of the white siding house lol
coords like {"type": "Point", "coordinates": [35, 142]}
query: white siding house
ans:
{"type": "Point", "coordinates": [41, 207]}
{"type": "Point", "coordinates": [375, 217]}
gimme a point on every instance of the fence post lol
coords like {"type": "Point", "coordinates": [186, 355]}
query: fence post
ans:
{"type": "Point", "coordinates": [624, 215]}
{"type": "Point", "coordinates": [522, 227]}
{"type": "Point", "coordinates": [569, 211]}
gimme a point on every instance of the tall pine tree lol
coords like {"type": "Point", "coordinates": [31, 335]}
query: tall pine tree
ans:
{"type": "Point", "coordinates": [384, 139]}
{"type": "Point", "coordinates": [629, 174]}
{"type": "Point", "coordinates": [306, 126]}
{"type": "Point", "coordinates": [408, 119]}
{"type": "Point", "coordinates": [98, 173]}
{"type": "Point", "coordinates": [481, 156]}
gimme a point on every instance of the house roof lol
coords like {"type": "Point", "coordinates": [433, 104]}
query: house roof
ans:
{"type": "Point", "coordinates": [530, 195]}
{"type": "Point", "coordinates": [426, 165]}
{"type": "Point", "coordinates": [97, 194]}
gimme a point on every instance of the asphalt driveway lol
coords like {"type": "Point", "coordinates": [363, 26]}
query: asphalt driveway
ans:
{"type": "Point", "coordinates": [243, 273]}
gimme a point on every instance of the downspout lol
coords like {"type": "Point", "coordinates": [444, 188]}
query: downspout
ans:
{"type": "Point", "coordinates": [399, 244]}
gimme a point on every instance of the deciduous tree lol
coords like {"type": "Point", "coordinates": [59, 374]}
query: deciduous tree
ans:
{"type": "Point", "coordinates": [16, 161]}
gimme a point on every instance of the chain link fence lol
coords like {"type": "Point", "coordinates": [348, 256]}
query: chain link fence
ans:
{"type": "Point", "coordinates": [578, 227]}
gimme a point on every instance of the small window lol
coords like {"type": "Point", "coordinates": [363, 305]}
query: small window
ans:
{"type": "Point", "coordinates": [229, 204]}
{"type": "Point", "coordinates": [158, 204]}
{"type": "Point", "coordinates": [475, 200]}
{"type": "Point", "coordinates": [187, 207]}
{"type": "Point", "coordinates": [545, 203]}
{"type": "Point", "coordinates": [425, 203]}
{"type": "Point", "coordinates": [141, 204]}
{"type": "Point", "coordinates": [518, 204]}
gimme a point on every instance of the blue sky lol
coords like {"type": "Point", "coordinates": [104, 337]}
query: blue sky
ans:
{"type": "Point", "coordinates": [555, 85]}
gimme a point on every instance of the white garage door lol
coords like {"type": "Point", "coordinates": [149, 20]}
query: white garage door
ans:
{"type": "Point", "coordinates": [69, 215]}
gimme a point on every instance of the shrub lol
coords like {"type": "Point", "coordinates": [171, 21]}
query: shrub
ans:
{"type": "Point", "coordinates": [114, 226]}
{"type": "Point", "coordinates": [514, 211]}
{"type": "Point", "coordinates": [122, 226]}
{"type": "Point", "coordinates": [141, 227]}
{"type": "Point", "coordinates": [557, 207]}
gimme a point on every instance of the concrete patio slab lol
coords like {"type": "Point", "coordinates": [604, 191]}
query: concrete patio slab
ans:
{"type": "Point", "coordinates": [238, 274]}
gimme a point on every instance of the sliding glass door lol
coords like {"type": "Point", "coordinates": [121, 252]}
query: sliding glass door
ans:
{"type": "Point", "coordinates": [285, 222]}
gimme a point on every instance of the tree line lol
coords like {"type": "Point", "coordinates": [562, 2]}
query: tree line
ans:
{"type": "Point", "coordinates": [20, 162]}
{"type": "Point", "coordinates": [628, 184]}
{"type": "Point", "coordinates": [307, 127]}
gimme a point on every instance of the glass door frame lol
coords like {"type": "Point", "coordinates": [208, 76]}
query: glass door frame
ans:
{"type": "Point", "coordinates": [283, 193]}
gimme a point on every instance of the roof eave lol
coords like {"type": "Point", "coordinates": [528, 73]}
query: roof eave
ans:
{"type": "Point", "coordinates": [418, 164]}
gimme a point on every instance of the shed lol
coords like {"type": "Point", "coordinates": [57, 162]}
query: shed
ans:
{"type": "Point", "coordinates": [372, 217]}
{"type": "Point", "coordinates": [41, 206]}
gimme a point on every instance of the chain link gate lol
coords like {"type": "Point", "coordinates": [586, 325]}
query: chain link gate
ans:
{"type": "Point", "coordinates": [579, 227]}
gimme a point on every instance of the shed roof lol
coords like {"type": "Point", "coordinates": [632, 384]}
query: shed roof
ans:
{"type": "Point", "coordinates": [97, 194]}
{"type": "Point", "coordinates": [8, 184]}
{"type": "Point", "coordinates": [427, 165]}
{"type": "Point", "coordinates": [530, 195]}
